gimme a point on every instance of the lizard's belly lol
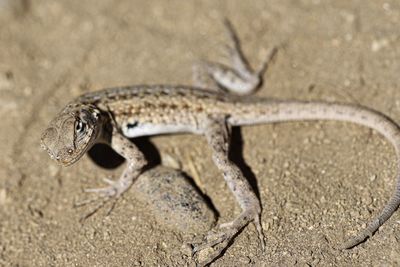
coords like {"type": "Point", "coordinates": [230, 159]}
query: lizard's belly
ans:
{"type": "Point", "coordinates": [146, 129]}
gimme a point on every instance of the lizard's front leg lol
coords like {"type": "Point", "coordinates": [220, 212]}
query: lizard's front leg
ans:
{"type": "Point", "coordinates": [217, 134]}
{"type": "Point", "coordinates": [135, 163]}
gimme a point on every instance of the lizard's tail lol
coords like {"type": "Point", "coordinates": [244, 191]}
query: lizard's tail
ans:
{"type": "Point", "coordinates": [276, 111]}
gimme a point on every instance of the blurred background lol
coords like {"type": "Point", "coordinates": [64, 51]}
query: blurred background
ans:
{"type": "Point", "coordinates": [318, 181]}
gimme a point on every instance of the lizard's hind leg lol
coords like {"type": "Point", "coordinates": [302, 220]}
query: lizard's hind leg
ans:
{"type": "Point", "coordinates": [239, 78]}
{"type": "Point", "coordinates": [217, 134]}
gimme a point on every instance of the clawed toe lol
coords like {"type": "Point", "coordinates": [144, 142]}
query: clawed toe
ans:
{"type": "Point", "coordinates": [211, 240]}
{"type": "Point", "coordinates": [101, 202]}
{"type": "Point", "coordinates": [218, 241]}
{"type": "Point", "coordinates": [105, 192]}
{"type": "Point", "coordinates": [225, 225]}
{"type": "Point", "coordinates": [103, 196]}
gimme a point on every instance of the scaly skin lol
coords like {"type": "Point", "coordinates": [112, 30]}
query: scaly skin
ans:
{"type": "Point", "coordinates": [111, 116]}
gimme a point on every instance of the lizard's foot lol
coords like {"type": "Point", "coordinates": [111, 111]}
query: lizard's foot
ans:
{"type": "Point", "coordinates": [237, 77]}
{"type": "Point", "coordinates": [103, 196]}
{"type": "Point", "coordinates": [218, 240]}
{"type": "Point", "coordinates": [115, 189]}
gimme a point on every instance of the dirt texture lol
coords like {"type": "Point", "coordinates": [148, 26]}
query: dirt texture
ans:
{"type": "Point", "coordinates": [319, 182]}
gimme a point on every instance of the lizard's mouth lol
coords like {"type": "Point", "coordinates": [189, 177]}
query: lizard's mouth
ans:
{"type": "Point", "coordinates": [68, 162]}
{"type": "Point", "coordinates": [57, 157]}
{"type": "Point", "coordinates": [65, 159]}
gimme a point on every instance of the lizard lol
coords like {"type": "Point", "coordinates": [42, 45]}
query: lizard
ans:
{"type": "Point", "coordinates": [114, 115]}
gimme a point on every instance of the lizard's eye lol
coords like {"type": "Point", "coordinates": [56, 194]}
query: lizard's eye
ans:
{"type": "Point", "coordinates": [80, 127]}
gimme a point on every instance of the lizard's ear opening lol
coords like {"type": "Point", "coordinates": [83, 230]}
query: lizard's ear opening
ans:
{"type": "Point", "coordinates": [89, 115]}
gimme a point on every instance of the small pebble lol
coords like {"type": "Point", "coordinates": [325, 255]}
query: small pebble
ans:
{"type": "Point", "coordinates": [174, 200]}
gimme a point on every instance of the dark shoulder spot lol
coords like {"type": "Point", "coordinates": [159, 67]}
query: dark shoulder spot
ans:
{"type": "Point", "coordinates": [132, 125]}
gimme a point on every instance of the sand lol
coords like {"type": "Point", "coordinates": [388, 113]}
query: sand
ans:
{"type": "Point", "coordinates": [319, 182]}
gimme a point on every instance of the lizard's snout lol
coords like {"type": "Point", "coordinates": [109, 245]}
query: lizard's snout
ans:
{"type": "Point", "coordinates": [56, 149]}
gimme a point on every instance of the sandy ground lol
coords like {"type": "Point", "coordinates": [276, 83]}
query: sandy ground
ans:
{"type": "Point", "coordinates": [319, 181]}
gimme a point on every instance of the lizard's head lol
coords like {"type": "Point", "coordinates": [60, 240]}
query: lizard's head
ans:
{"type": "Point", "coordinates": [71, 133]}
